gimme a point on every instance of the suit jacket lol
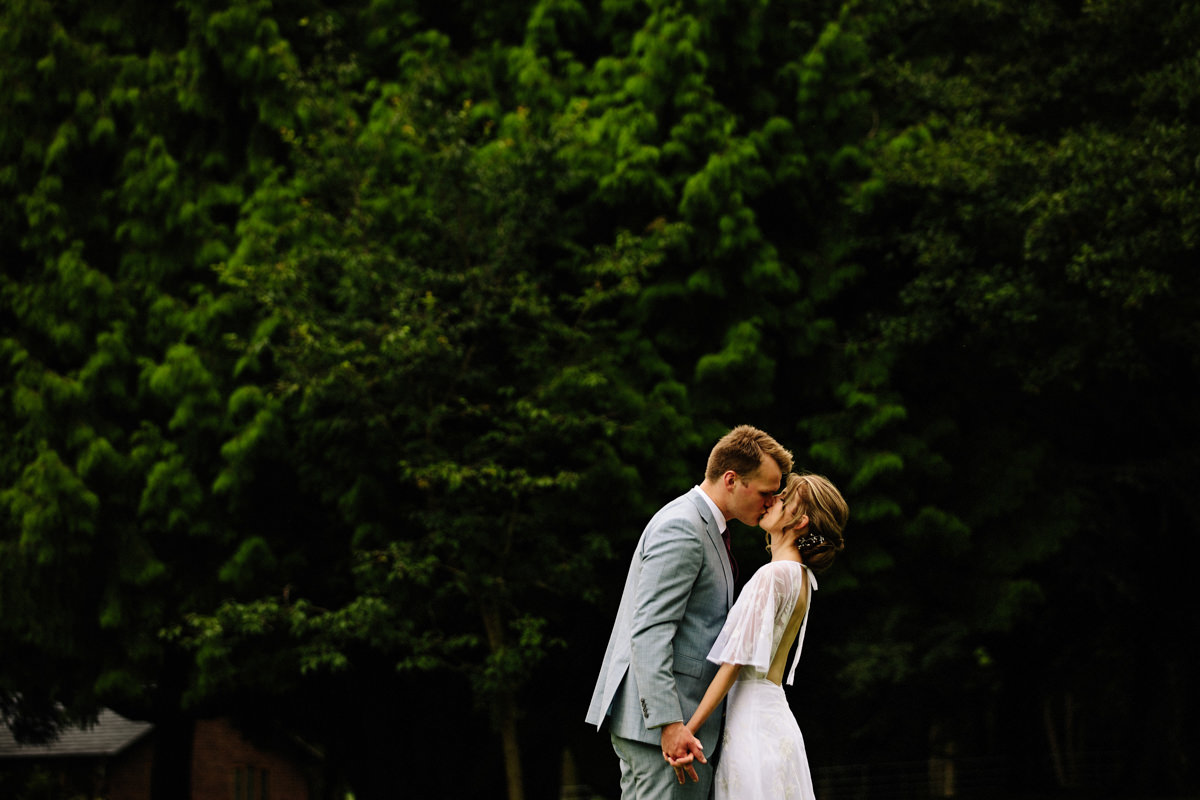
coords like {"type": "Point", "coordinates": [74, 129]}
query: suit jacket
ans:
{"type": "Point", "coordinates": [677, 593]}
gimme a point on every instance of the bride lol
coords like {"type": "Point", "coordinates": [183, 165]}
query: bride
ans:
{"type": "Point", "coordinates": [762, 751]}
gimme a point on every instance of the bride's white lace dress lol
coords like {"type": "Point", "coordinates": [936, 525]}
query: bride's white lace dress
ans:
{"type": "Point", "coordinates": [762, 753]}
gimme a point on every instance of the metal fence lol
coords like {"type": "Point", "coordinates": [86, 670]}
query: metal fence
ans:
{"type": "Point", "coordinates": [965, 778]}
{"type": "Point", "coordinates": [910, 780]}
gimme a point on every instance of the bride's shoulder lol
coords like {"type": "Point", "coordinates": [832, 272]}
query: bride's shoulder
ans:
{"type": "Point", "coordinates": [786, 571]}
{"type": "Point", "coordinates": [783, 565]}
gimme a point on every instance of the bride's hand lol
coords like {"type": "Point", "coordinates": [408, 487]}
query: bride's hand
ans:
{"type": "Point", "coordinates": [683, 766]}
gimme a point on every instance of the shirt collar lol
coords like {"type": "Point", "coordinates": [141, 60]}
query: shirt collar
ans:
{"type": "Point", "coordinates": [721, 521]}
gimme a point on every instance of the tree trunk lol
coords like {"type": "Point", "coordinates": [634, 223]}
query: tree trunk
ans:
{"type": "Point", "coordinates": [171, 770]}
{"type": "Point", "coordinates": [1062, 751]}
{"type": "Point", "coordinates": [506, 714]}
{"type": "Point", "coordinates": [942, 777]}
{"type": "Point", "coordinates": [504, 707]}
{"type": "Point", "coordinates": [171, 773]}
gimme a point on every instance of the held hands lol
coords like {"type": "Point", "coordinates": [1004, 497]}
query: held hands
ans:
{"type": "Point", "coordinates": [681, 765]}
{"type": "Point", "coordinates": [680, 748]}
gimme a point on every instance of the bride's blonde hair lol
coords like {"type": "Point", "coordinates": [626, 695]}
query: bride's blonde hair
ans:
{"type": "Point", "coordinates": [827, 511]}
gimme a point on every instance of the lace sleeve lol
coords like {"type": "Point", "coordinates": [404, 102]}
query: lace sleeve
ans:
{"type": "Point", "coordinates": [747, 638]}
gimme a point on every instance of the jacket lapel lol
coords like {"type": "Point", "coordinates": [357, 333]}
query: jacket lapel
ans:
{"type": "Point", "coordinates": [714, 535]}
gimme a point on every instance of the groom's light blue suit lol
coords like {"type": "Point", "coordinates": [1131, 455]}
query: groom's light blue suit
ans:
{"type": "Point", "coordinates": [677, 594]}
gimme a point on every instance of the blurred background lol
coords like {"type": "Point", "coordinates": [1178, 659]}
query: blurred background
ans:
{"type": "Point", "coordinates": [346, 348]}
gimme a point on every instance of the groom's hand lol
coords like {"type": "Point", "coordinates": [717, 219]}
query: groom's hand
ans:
{"type": "Point", "coordinates": [680, 747]}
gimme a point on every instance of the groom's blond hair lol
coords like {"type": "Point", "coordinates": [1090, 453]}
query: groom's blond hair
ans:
{"type": "Point", "coordinates": [742, 450]}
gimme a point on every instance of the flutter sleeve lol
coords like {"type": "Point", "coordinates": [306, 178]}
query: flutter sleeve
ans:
{"type": "Point", "coordinates": [746, 638]}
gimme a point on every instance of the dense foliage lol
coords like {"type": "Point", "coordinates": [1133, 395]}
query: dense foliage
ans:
{"type": "Point", "coordinates": [345, 348]}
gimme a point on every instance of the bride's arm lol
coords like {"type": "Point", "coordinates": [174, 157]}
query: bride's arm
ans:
{"type": "Point", "coordinates": [721, 683]}
{"type": "Point", "coordinates": [717, 690]}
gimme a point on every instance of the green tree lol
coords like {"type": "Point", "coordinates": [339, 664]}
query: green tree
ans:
{"type": "Point", "coordinates": [449, 369]}
{"type": "Point", "coordinates": [129, 140]}
{"type": "Point", "coordinates": [342, 338]}
{"type": "Point", "coordinates": [1032, 290]}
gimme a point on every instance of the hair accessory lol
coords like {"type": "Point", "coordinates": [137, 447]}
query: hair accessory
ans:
{"type": "Point", "coordinates": [812, 540]}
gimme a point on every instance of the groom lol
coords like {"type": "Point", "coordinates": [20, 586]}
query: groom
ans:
{"type": "Point", "coordinates": [677, 593]}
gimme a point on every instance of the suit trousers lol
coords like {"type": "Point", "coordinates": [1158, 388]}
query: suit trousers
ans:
{"type": "Point", "coordinates": [646, 775]}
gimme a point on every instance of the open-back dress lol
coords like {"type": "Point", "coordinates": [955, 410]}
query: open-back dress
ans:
{"type": "Point", "coordinates": [762, 753]}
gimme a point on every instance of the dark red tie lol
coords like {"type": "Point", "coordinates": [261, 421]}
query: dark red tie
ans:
{"type": "Point", "coordinates": [729, 551]}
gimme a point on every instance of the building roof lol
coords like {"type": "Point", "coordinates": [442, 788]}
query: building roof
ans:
{"type": "Point", "coordinates": [111, 734]}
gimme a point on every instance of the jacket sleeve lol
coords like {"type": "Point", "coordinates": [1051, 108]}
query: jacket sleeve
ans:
{"type": "Point", "coordinates": [672, 557]}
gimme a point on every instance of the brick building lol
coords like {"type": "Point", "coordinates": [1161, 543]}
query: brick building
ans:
{"type": "Point", "coordinates": [112, 760]}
